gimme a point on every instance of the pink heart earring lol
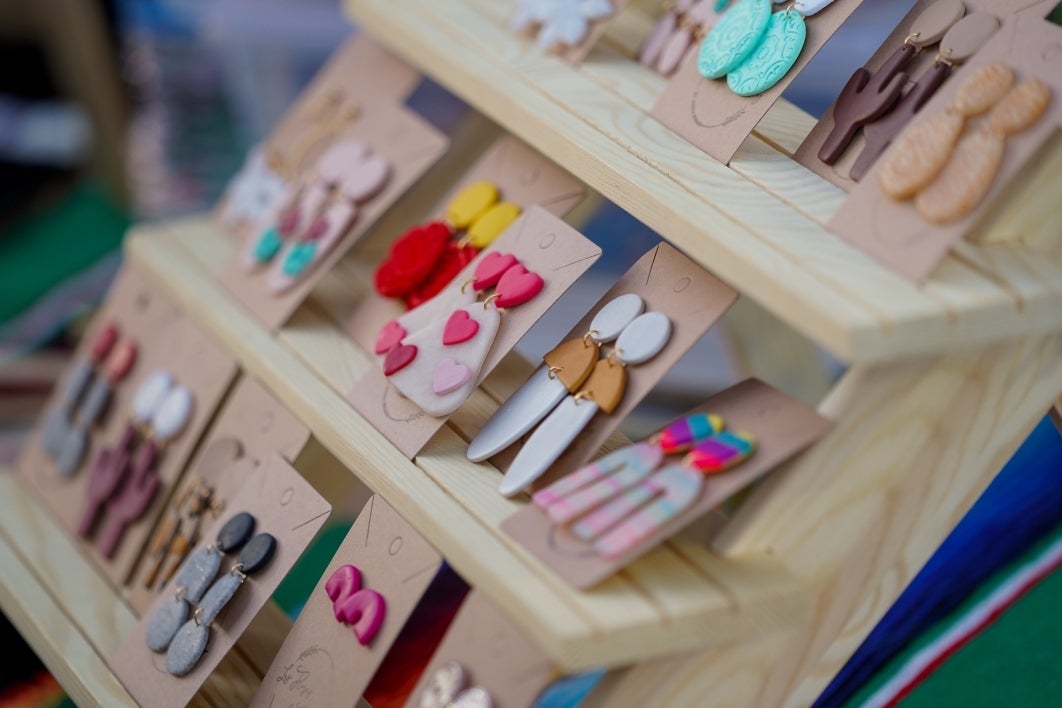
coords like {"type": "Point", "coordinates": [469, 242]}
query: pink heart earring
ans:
{"type": "Point", "coordinates": [487, 274]}
{"type": "Point", "coordinates": [442, 361]}
{"type": "Point", "coordinates": [364, 175]}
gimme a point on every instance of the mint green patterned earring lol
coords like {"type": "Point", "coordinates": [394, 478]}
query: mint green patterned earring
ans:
{"type": "Point", "coordinates": [754, 48]}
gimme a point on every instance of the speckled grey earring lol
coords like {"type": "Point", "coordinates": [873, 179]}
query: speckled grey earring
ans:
{"type": "Point", "coordinates": [193, 580]}
{"type": "Point", "coordinates": [190, 642]}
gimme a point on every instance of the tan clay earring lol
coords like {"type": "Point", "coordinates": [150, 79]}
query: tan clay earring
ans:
{"type": "Point", "coordinates": [976, 160]}
{"type": "Point", "coordinates": [920, 154]}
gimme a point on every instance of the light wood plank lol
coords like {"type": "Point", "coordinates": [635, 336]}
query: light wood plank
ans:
{"type": "Point", "coordinates": [70, 615]}
{"type": "Point", "coordinates": [861, 512]}
{"type": "Point", "coordinates": [47, 627]}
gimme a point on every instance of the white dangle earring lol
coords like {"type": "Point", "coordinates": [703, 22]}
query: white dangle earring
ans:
{"type": "Point", "coordinates": [603, 391]}
{"type": "Point", "coordinates": [565, 369]}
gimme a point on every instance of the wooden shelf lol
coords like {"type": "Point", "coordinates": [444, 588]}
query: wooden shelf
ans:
{"type": "Point", "coordinates": [44, 583]}
{"type": "Point", "coordinates": [758, 224]}
{"type": "Point", "coordinates": [65, 609]}
{"type": "Point", "coordinates": [679, 598]}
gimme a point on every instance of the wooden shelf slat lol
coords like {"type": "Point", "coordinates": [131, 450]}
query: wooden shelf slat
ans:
{"type": "Point", "coordinates": [44, 621]}
{"type": "Point", "coordinates": [758, 224]}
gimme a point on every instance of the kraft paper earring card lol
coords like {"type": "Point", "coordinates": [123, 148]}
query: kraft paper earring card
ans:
{"type": "Point", "coordinates": [251, 426]}
{"type": "Point", "coordinates": [706, 111]}
{"type": "Point", "coordinates": [542, 257]}
{"type": "Point", "coordinates": [911, 230]}
{"type": "Point", "coordinates": [354, 615]}
{"type": "Point", "coordinates": [152, 424]}
{"type": "Point", "coordinates": [571, 526]}
{"type": "Point", "coordinates": [220, 589]}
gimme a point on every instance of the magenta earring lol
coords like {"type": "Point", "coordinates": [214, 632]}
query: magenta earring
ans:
{"type": "Point", "coordinates": [363, 609]}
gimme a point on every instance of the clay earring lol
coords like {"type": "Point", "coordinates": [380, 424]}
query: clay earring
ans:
{"type": "Point", "coordinates": [589, 487]}
{"type": "Point", "coordinates": [692, 29]}
{"type": "Point", "coordinates": [486, 275]}
{"type": "Point", "coordinates": [866, 97]}
{"type": "Point", "coordinates": [425, 259]}
{"type": "Point", "coordinates": [622, 500]}
{"type": "Point", "coordinates": [669, 23]}
{"type": "Point", "coordinates": [359, 607]}
{"type": "Point", "coordinates": [448, 688]}
{"type": "Point", "coordinates": [262, 186]}
{"type": "Point", "coordinates": [365, 175]}
{"type": "Point", "coordinates": [634, 516]}
{"type": "Point", "coordinates": [603, 391]}
{"type": "Point", "coordinates": [975, 162]}
{"type": "Point", "coordinates": [923, 150]}
{"type": "Point", "coordinates": [194, 578]}
{"type": "Point", "coordinates": [123, 478]}
{"type": "Point", "coordinates": [960, 43]}
{"type": "Point", "coordinates": [179, 534]}
{"type": "Point", "coordinates": [91, 408]}
{"type": "Point", "coordinates": [82, 373]}
{"type": "Point", "coordinates": [755, 48]}
{"type": "Point", "coordinates": [255, 192]}
{"type": "Point", "coordinates": [559, 25]}
{"type": "Point", "coordinates": [566, 368]}
{"type": "Point", "coordinates": [303, 194]}
{"type": "Point", "coordinates": [438, 367]}
{"type": "Point", "coordinates": [190, 641]}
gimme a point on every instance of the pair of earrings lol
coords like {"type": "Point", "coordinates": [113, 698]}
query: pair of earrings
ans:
{"type": "Point", "coordinates": [261, 186]}
{"type": "Point", "coordinates": [873, 103]}
{"type": "Point", "coordinates": [318, 212]}
{"type": "Point", "coordinates": [434, 354]}
{"type": "Point", "coordinates": [624, 498]}
{"type": "Point", "coordinates": [203, 594]}
{"type": "Point", "coordinates": [124, 480]}
{"type": "Point", "coordinates": [565, 395]}
{"type": "Point", "coordinates": [755, 48]}
{"type": "Point", "coordinates": [683, 24]}
{"type": "Point", "coordinates": [425, 259]}
{"type": "Point", "coordinates": [948, 176]}
{"type": "Point", "coordinates": [181, 532]}
{"type": "Point", "coordinates": [559, 24]}
{"type": "Point", "coordinates": [449, 687]}
{"type": "Point", "coordinates": [84, 397]}
{"type": "Point", "coordinates": [361, 608]}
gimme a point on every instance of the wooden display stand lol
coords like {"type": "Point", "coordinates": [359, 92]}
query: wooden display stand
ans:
{"type": "Point", "coordinates": [944, 382]}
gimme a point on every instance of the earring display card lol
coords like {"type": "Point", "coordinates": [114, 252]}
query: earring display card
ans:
{"type": "Point", "coordinates": [251, 426]}
{"type": "Point", "coordinates": [523, 177]}
{"type": "Point", "coordinates": [283, 504]}
{"type": "Point", "coordinates": [717, 120]}
{"type": "Point", "coordinates": [494, 654]}
{"type": "Point", "coordinates": [838, 173]}
{"type": "Point", "coordinates": [781, 426]}
{"type": "Point", "coordinates": [670, 283]}
{"type": "Point", "coordinates": [137, 311]}
{"type": "Point", "coordinates": [407, 143]}
{"type": "Point", "coordinates": [322, 662]}
{"type": "Point", "coordinates": [543, 244]}
{"type": "Point", "coordinates": [555, 24]}
{"type": "Point", "coordinates": [166, 341]}
{"type": "Point", "coordinates": [341, 87]}
{"type": "Point", "coordinates": [893, 232]}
